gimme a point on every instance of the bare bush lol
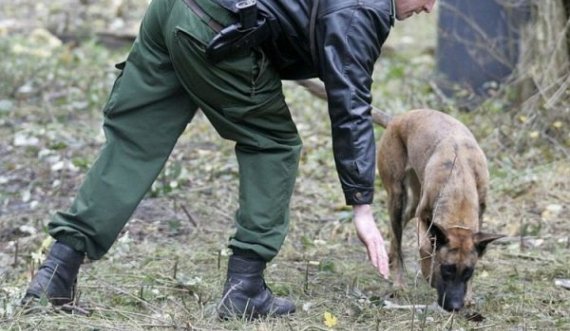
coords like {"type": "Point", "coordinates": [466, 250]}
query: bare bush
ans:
{"type": "Point", "coordinates": [545, 56]}
{"type": "Point", "coordinates": [538, 91]}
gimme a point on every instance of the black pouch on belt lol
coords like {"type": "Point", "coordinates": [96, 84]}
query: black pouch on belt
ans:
{"type": "Point", "coordinates": [250, 31]}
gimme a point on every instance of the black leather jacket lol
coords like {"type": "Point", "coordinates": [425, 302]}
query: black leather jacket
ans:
{"type": "Point", "coordinates": [348, 36]}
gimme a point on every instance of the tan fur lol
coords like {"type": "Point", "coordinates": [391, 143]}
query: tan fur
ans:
{"type": "Point", "coordinates": [433, 169]}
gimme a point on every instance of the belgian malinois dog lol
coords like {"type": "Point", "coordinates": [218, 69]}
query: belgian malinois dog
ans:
{"type": "Point", "coordinates": [433, 170]}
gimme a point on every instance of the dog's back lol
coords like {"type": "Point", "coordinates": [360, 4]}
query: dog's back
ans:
{"type": "Point", "coordinates": [441, 149]}
{"type": "Point", "coordinates": [437, 159]}
{"type": "Point", "coordinates": [433, 155]}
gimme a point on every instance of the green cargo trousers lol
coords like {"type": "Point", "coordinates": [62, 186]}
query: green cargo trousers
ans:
{"type": "Point", "coordinates": [164, 80]}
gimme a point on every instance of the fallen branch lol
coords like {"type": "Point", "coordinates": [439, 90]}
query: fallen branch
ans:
{"type": "Point", "coordinates": [191, 218]}
{"type": "Point", "coordinates": [530, 257]}
{"type": "Point", "coordinates": [564, 283]}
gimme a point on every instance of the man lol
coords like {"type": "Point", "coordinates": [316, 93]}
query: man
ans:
{"type": "Point", "coordinates": [228, 58]}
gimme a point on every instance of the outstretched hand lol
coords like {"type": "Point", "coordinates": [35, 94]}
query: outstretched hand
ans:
{"type": "Point", "coordinates": [371, 237]}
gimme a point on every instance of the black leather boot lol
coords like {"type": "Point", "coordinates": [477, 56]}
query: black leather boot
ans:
{"type": "Point", "coordinates": [245, 293]}
{"type": "Point", "coordinates": [57, 276]}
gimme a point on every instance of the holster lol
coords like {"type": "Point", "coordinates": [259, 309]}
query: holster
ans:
{"type": "Point", "coordinates": [252, 29]}
{"type": "Point", "coordinates": [234, 39]}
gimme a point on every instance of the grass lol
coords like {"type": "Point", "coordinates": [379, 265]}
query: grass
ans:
{"type": "Point", "coordinates": [167, 269]}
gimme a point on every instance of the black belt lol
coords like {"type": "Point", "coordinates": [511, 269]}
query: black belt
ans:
{"type": "Point", "coordinates": [212, 23]}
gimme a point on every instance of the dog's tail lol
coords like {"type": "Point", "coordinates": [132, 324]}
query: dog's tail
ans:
{"type": "Point", "coordinates": [381, 118]}
{"type": "Point", "coordinates": [378, 116]}
{"type": "Point", "coordinates": [315, 88]}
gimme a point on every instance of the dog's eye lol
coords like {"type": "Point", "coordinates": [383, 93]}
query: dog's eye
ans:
{"type": "Point", "coordinates": [467, 273]}
{"type": "Point", "coordinates": [448, 271]}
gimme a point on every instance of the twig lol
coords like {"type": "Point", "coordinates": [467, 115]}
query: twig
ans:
{"type": "Point", "coordinates": [530, 257]}
{"type": "Point", "coordinates": [313, 327]}
{"type": "Point", "coordinates": [306, 280]}
{"type": "Point", "coordinates": [104, 283]}
{"type": "Point", "coordinates": [392, 306]}
{"type": "Point", "coordinates": [175, 268]}
{"type": "Point", "coordinates": [516, 239]}
{"type": "Point", "coordinates": [74, 309]}
{"type": "Point", "coordinates": [290, 326]}
{"type": "Point", "coordinates": [557, 145]}
{"type": "Point", "coordinates": [413, 316]}
{"type": "Point", "coordinates": [16, 246]}
{"type": "Point", "coordinates": [219, 259]}
{"type": "Point", "coordinates": [559, 94]}
{"type": "Point", "coordinates": [564, 283]}
{"type": "Point", "coordinates": [189, 215]}
{"type": "Point", "coordinates": [449, 321]}
{"type": "Point", "coordinates": [439, 92]}
{"type": "Point", "coordinates": [521, 242]}
{"type": "Point", "coordinates": [424, 321]}
{"type": "Point", "coordinates": [483, 327]}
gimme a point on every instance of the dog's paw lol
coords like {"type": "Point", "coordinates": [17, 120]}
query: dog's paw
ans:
{"type": "Point", "coordinates": [395, 293]}
{"type": "Point", "coordinates": [399, 283]}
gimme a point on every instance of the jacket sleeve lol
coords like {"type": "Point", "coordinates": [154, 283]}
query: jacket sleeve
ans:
{"type": "Point", "coordinates": [348, 44]}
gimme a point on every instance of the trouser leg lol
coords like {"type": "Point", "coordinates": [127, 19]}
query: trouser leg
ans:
{"type": "Point", "coordinates": [146, 112]}
{"type": "Point", "coordinates": [242, 97]}
{"type": "Point", "coordinates": [267, 178]}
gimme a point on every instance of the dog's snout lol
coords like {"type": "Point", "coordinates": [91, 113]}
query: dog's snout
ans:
{"type": "Point", "coordinates": [453, 305]}
{"type": "Point", "coordinates": [451, 296]}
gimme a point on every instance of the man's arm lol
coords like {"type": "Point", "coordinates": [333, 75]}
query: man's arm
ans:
{"type": "Point", "coordinates": [349, 42]}
{"type": "Point", "coordinates": [370, 236]}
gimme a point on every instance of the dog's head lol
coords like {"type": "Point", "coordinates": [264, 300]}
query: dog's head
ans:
{"type": "Point", "coordinates": [449, 257]}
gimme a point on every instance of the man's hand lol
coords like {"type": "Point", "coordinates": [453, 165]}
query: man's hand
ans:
{"type": "Point", "coordinates": [371, 238]}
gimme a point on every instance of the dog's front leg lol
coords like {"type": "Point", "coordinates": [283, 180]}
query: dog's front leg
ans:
{"type": "Point", "coordinates": [396, 205]}
{"type": "Point", "coordinates": [469, 299]}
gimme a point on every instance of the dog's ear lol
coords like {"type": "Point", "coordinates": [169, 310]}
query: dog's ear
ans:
{"type": "Point", "coordinates": [439, 234]}
{"type": "Point", "coordinates": [482, 239]}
